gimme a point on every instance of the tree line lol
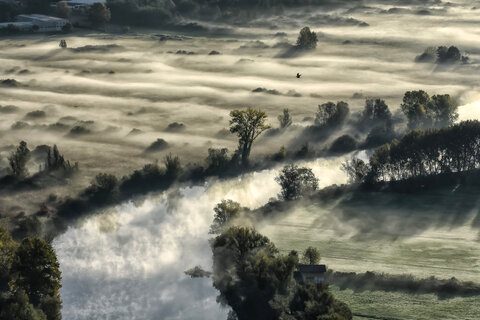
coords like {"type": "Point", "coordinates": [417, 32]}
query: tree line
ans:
{"type": "Point", "coordinates": [455, 148]}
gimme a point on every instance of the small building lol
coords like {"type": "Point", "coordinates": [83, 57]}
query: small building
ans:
{"type": "Point", "coordinates": [82, 4]}
{"type": "Point", "coordinates": [43, 22]}
{"type": "Point", "coordinates": [311, 273]}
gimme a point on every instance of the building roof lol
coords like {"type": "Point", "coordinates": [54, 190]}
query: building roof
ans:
{"type": "Point", "coordinates": [312, 268]}
{"type": "Point", "coordinates": [40, 17]}
{"type": "Point", "coordinates": [89, 2]}
{"type": "Point", "coordinates": [16, 24]}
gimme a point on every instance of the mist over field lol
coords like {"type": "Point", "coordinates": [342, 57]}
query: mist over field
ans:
{"type": "Point", "coordinates": [108, 98]}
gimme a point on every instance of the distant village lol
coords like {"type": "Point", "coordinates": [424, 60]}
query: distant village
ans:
{"type": "Point", "coordinates": [35, 22]}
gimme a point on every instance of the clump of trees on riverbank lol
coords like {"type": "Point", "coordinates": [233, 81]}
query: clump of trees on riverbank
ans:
{"type": "Point", "coordinates": [422, 153]}
{"type": "Point", "coordinates": [30, 279]}
{"type": "Point", "coordinates": [258, 283]}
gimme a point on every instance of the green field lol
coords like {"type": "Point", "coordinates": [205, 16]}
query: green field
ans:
{"type": "Point", "coordinates": [444, 253]}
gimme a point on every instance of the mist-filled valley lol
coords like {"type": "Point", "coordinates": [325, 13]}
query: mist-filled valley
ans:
{"type": "Point", "coordinates": [124, 150]}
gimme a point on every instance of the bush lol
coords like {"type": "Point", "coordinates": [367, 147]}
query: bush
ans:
{"type": "Point", "coordinates": [344, 144]}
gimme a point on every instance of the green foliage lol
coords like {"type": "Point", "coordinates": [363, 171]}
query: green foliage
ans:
{"type": "Point", "coordinates": [343, 144]}
{"type": "Point", "coordinates": [15, 306]}
{"type": "Point", "coordinates": [247, 125]}
{"type": "Point", "coordinates": [429, 152]}
{"type": "Point", "coordinates": [258, 283]}
{"type": "Point", "coordinates": [225, 211]}
{"type": "Point", "coordinates": [36, 270]}
{"type": "Point", "coordinates": [425, 112]}
{"type": "Point", "coordinates": [217, 161]}
{"type": "Point", "coordinates": [296, 182]}
{"type": "Point", "coordinates": [18, 160]}
{"type": "Point", "coordinates": [307, 39]}
{"type": "Point", "coordinates": [51, 307]}
{"type": "Point", "coordinates": [376, 110]}
{"type": "Point", "coordinates": [36, 6]}
{"type": "Point", "coordinates": [29, 280]}
{"type": "Point", "coordinates": [448, 55]}
{"type": "Point", "coordinates": [285, 119]}
{"type": "Point", "coordinates": [173, 167]}
{"type": "Point", "coordinates": [312, 301]}
{"type": "Point", "coordinates": [67, 28]}
{"type": "Point", "coordinates": [30, 226]}
{"type": "Point", "coordinates": [356, 169]}
{"type": "Point", "coordinates": [311, 255]}
{"type": "Point", "coordinates": [55, 161]}
{"type": "Point", "coordinates": [99, 14]}
{"type": "Point", "coordinates": [141, 13]}
{"type": "Point", "coordinates": [63, 10]}
{"type": "Point", "coordinates": [8, 10]}
{"type": "Point", "coordinates": [7, 251]}
{"type": "Point", "coordinates": [280, 155]}
{"type": "Point", "coordinates": [332, 115]}
{"type": "Point", "coordinates": [104, 188]}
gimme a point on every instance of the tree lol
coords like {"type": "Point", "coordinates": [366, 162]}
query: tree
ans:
{"type": "Point", "coordinates": [99, 14]}
{"type": "Point", "coordinates": [15, 306]}
{"type": "Point", "coordinates": [36, 270]}
{"type": "Point", "coordinates": [445, 110]}
{"type": "Point", "coordinates": [296, 182]}
{"type": "Point", "coordinates": [258, 283]}
{"type": "Point", "coordinates": [356, 170]}
{"type": "Point", "coordinates": [415, 108]}
{"type": "Point", "coordinates": [104, 188]}
{"type": "Point", "coordinates": [7, 253]}
{"type": "Point", "coordinates": [67, 28]}
{"type": "Point", "coordinates": [18, 160]}
{"type": "Point", "coordinates": [332, 115]}
{"type": "Point", "coordinates": [248, 125]}
{"type": "Point", "coordinates": [307, 39]}
{"type": "Point", "coordinates": [217, 160]}
{"type": "Point", "coordinates": [63, 10]}
{"type": "Point", "coordinates": [425, 112]}
{"type": "Point", "coordinates": [36, 6]}
{"type": "Point", "coordinates": [311, 255]}
{"type": "Point", "coordinates": [285, 119]}
{"type": "Point", "coordinates": [448, 55]}
{"type": "Point", "coordinates": [55, 161]}
{"type": "Point", "coordinates": [376, 110]}
{"type": "Point", "coordinates": [63, 44]}
{"type": "Point", "coordinates": [173, 167]}
{"type": "Point", "coordinates": [225, 211]}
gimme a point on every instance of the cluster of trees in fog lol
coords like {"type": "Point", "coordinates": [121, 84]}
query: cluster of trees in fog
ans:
{"type": "Point", "coordinates": [442, 55]}
{"type": "Point", "coordinates": [30, 279]}
{"type": "Point", "coordinates": [376, 121]}
{"type": "Point", "coordinates": [429, 152]}
{"type": "Point", "coordinates": [259, 283]}
{"type": "Point", "coordinates": [54, 163]}
{"type": "Point", "coordinates": [420, 153]}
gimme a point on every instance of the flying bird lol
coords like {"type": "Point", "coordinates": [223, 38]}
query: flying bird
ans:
{"type": "Point", "coordinates": [298, 75]}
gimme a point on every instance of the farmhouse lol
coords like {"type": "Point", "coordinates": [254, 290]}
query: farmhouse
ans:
{"type": "Point", "coordinates": [311, 273]}
{"type": "Point", "coordinates": [44, 23]}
